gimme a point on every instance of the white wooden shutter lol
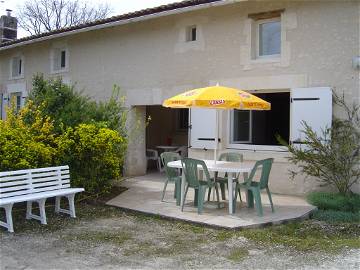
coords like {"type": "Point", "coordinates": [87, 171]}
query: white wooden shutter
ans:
{"type": "Point", "coordinates": [203, 128]}
{"type": "Point", "coordinates": [312, 105]}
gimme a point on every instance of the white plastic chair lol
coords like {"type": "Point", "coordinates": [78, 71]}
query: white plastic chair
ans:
{"type": "Point", "coordinates": [152, 154]}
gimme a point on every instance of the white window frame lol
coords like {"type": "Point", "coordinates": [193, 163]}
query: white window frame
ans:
{"type": "Point", "coordinates": [188, 33]}
{"type": "Point", "coordinates": [52, 60]}
{"type": "Point", "coordinates": [15, 88]}
{"type": "Point", "coordinates": [17, 94]}
{"type": "Point", "coordinates": [257, 45]}
{"type": "Point", "coordinates": [232, 141]}
{"type": "Point", "coordinates": [21, 75]}
{"type": "Point", "coordinates": [254, 147]}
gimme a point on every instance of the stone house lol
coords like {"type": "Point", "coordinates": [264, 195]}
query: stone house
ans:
{"type": "Point", "coordinates": [291, 53]}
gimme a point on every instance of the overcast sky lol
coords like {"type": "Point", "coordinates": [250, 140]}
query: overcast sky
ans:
{"type": "Point", "coordinates": [119, 6]}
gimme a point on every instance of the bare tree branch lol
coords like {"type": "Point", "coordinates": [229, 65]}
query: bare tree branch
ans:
{"type": "Point", "coordinates": [39, 16]}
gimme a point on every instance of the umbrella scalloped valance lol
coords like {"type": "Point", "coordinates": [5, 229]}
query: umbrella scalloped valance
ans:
{"type": "Point", "coordinates": [217, 97]}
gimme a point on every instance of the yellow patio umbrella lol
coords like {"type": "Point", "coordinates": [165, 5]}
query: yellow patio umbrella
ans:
{"type": "Point", "coordinates": [217, 97]}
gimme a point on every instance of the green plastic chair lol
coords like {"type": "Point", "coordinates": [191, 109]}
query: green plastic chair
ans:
{"type": "Point", "coordinates": [223, 181]}
{"type": "Point", "coordinates": [191, 172]}
{"type": "Point", "coordinates": [172, 174]}
{"type": "Point", "coordinates": [253, 188]}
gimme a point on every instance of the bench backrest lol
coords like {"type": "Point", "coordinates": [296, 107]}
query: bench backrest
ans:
{"type": "Point", "coordinates": [23, 182]}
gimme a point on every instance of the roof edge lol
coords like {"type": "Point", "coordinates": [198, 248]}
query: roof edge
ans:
{"type": "Point", "coordinates": [156, 14]}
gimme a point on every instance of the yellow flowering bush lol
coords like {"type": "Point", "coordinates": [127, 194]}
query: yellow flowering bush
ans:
{"type": "Point", "coordinates": [25, 146]}
{"type": "Point", "coordinates": [95, 153]}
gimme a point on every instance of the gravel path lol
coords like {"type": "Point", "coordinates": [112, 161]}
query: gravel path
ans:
{"type": "Point", "coordinates": [130, 241]}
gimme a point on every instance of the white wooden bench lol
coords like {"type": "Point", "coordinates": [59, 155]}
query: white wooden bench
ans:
{"type": "Point", "coordinates": [36, 185]}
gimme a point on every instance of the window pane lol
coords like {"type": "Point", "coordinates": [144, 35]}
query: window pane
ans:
{"type": "Point", "coordinates": [16, 97]}
{"type": "Point", "coordinates": [183, 119]}
{"type": "Point", "coordinates": [269, 38]}
{"type": "Point", "coordinates": [266, 125]}
{"type": "Point", "coordinates": [16, 67]}
{"type": "Point", "coordinates": [18, 103]}
{"type": "Point", "coordinates": [241, 126]}
{"type": "Point", "coordinates": [193, 34]}
{"type": "Point", "coordinates": [20, 66]}
{"type": "Point", "coordinates": [63, 59]}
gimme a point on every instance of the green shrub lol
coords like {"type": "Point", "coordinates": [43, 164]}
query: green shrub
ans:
{"type": "Point", "coordinates": [25, 146]}
{"type": "Point", "coordinates": [69, 108]}
{"type": "Point", "coordinates": [95, 155]}
{"type": "Point", "coordinates": [332, 216]}
{"type": "Point", "coordinates": [60, 102]}
{"type": "Point", "coordinates": [335, 201]}
{"type": "Point", "coordinates": [331, 156]}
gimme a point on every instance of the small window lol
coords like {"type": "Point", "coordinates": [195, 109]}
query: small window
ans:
{"type": "Point", "coordinates": [16, 67]}
{"type": "Point", "coordinates": [268, 37]}
{"type": "Point", "coordinates": [241, 128]}
{"type": "Point", "coordinates": [191, 33]}
{"type": "Point", "coordinates": [63, 59]}
{"type": "Point", "coordinates": [16, 97]}
{"type": "Point", "coordinates": [59, 60]}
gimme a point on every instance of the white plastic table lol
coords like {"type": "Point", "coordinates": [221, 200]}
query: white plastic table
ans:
{"type": "Point", "coordinates": [230, 168]}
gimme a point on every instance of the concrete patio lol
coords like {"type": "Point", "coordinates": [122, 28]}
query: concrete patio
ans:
{"type": "Point", "coordinates": [144, 193]}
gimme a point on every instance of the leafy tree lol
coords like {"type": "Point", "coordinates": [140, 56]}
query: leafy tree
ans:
{"type": "Point", "coordinates": [39, 16]}
{"type": "Point", "coordinates": [332, 157]}
{"type": "Point", "coordinates": [69, 108]}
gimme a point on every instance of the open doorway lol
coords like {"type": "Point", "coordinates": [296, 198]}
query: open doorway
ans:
{"type": "Point", "coordinates": [167, 130]}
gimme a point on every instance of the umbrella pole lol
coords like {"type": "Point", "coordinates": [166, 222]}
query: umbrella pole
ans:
{"type": "Point", "coordinates": [216, 135]}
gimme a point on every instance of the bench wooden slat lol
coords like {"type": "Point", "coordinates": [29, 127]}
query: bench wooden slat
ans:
{"type": "Point", "coordinates": [48, 188]}
{"type": "Point", "coordinates": [44, 174]}
{"type": "Point", "coordinates": [14, 193]}
{"type": "Point", "coordinates": [8, 189]}
{"type": "Point", "coordinates": [46, 194]}
{"type": "Point", "coordinates": [14, 183]}
{"type": "Point", "coordinates": [46, 179]}
{"type": "Point", "coordinates": [55, 173]}
{"type": "Point", "coordinates": [12, 178]}
{"type": "Point", "coordinates": [49, 179]}
{"type": "Point", "coordinates": [33, 170]}
{"type": "Point", "coordinates": [23, 182]}
{"type": "Point", "coordinates": [46, 184]}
